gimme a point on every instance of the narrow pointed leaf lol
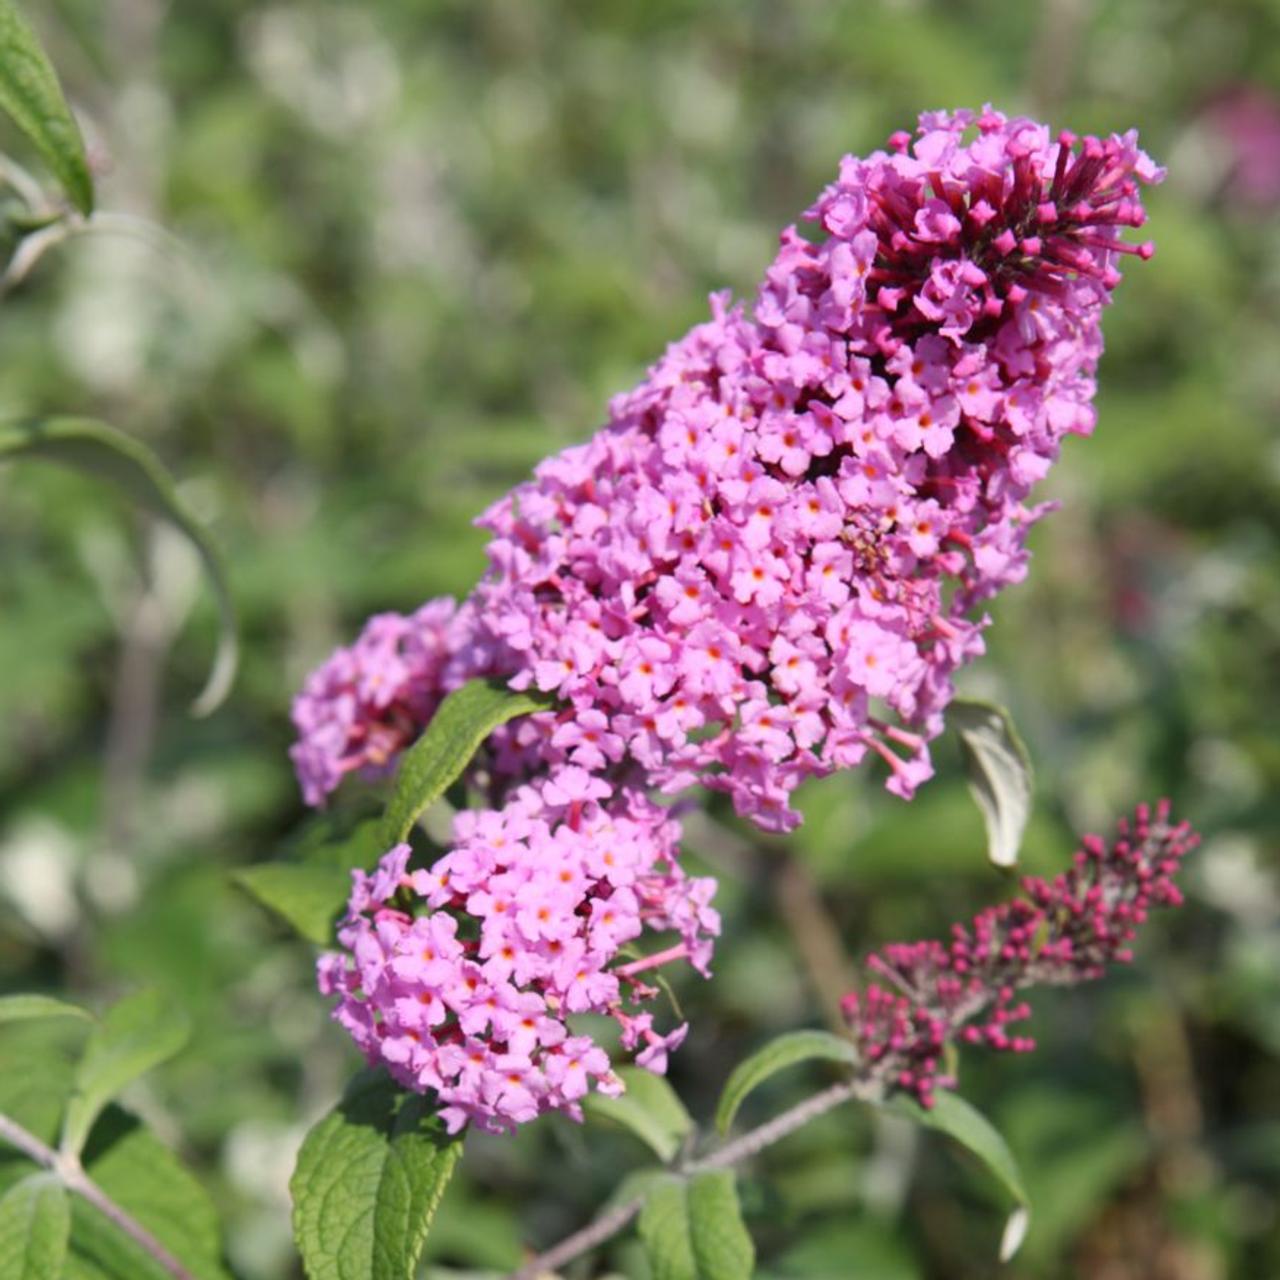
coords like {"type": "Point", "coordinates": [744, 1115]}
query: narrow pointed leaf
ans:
{"type": "Point", "coordinates": [693, 1230]}
{"type": "Point", "coordinates": [1000, 774]}
{"type": "Point", "coordinates": [30, 93]}
{"type": "Point", "coordinates": [35, 1221]}
{"type": "Point", "coordinates": [368, 1181]}
{"type": "Point", "coordinates": [103, 452]}
{"type": "Point", "coordinates": [777, 1055]}
{"type": "Point", "coordinates": [25, 1008]}
{"type": "Point", "coordinates": [649, 1109]}
{"type": "Point", "coordinates": [960, 1121]}
{"type": "Point", "coordinates": [135, 1034]}
{"type": "Point", "coordinates": [462, 722]}
{"type": "Point", "coordinates": [308, 898]}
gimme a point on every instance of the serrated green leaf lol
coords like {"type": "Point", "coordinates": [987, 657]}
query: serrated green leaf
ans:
{"type": "Point", "coordinates": [649, 1109]}
{"type": "Point", "coordinates": [153, 1187]}
{"type": "Point", "coordinates": [30, 93]}
{"type": "Point", "coordinates": [462, 722]}
{"type": "Point", "coordinates": [103, 452]}
{"type": "Point", "coordinates": [309, 898]}
{"type": "Point", "coordinates": [368, 1179]}
{"type": "Point", "coordinates": [692, 1229]}
{"type": "Point", "coordinates": [37, 1069]}
{"type": "Point", "coordinates": [777, 1055]}
{"type": "Point", "coordinates": [952, 1115]}
{"type": "Point", "coordinates": [137, 1033]}
{"type": "Point", "coordinates": [1000, 774]}
{"type": "Point", "coordinates": [35, 1221]}
{"type": "Point", "coordinates": [25, 1008]}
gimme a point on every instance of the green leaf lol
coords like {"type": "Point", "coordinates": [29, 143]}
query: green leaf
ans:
{"type": "Point", "coordinates": [785, 1051]}
{"type": "Point", "coordinates": [154, 1188]}
{"type": "Point", "coordinates": [30, 93]}
{"type": "Point", "coordinates": [136, 1034]}
{"type": "Point", "coordinates": [368, 1180]}
{"type": "Point", "coordinates": [955, 1117]}
{"type": "Point", "coordinates": [692, 1230]}
{"type": "Point", "coordinates": [1000, 774]}
{"type": "Point", "coordinates": [35, 1221]}
{"type": "Point", "coordinates": [649, 1109]}
{"type": "Point", "coordinates": [24, 1008]}
{"type": "Point", "coordinates": [103, 452]}
{"type": "Point", "coordinates": [462, 722]}
{"type": "Point", "coordinates": [309, 898]}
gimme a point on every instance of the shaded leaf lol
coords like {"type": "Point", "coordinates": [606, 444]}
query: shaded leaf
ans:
{"type": "Point", "coordinates": [692, 1229]}
{"type": "Point", "coordinates": [777, 1055]}
{"type": "Point", "coordinates": [955, 1117]}
{"type": "Point", "coordinates": [462, 722]}
{"type": "Point", "coordinates": [24, 1008]}
{"type": "Point", "coordinates": [35, 1221]}
{"type": "Point", "coordinates": [649, 1109]}
{"type": "Point", "coordinates": [1000, 774]}
{"type": "Point", "coordinates": [153, 1187]}
{"type": "Point", "coordinates": [103, 452]}
{"type": "Point", "coordinates": [135, 1034]}
{"type": "Point", "coordinates": [309, 898]}
{"type": "Point", "coordinates": [368, 1179]}
{"type": "Point", "coordinates": [30, 93]}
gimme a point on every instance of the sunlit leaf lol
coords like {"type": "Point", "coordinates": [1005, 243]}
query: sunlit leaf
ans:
{"type": "Point", "coordinates": [462, 722]}
{"type": "Point", "coordinates": [24, 1008]}
{"type": "Point", "coordinates": [777, 1055]}
{"type": "Point", "coordinates": [367, 1183]}
{"type": "Point", "coordinates": [309, 898]}
{"type": "Point", "coordinates": [692, 1229]}
{"type": "Point", "coordinates": [35, 1221]}
{"type": "Point", "coordinates": [649, 1109]}
{"type": "Point", "coordinates": [30, 93]}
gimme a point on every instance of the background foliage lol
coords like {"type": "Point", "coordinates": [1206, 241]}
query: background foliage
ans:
{"type": "Point", "coordinates": [418, 246]}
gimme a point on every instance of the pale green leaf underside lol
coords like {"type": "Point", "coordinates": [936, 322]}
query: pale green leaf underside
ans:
{"type": "Point", "coordinates": [1000, 774]}
{"type": "Point", "coordinates": [777, 1055]}
{"type": "Point", "coordinates": [306, 897]}
{"type": "Point", "coordinates": [135, 1034]}
{"type": "Point", "coordinates": [693, 1230]}
{"type": "Point", "coordinates": [367, 1183]}
{"type": "Point", "coordinates": [35, 1221]}
{"type": "Point", "coordinates": [649, 1109]}
{"type": "Point", "coordinates": [31, 95]}
{"type": "Point", "coordinates": [462, 722]}
{"type": "Point", "coordinates": [102, 451]}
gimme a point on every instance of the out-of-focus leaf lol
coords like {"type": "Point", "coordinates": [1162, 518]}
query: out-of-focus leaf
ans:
{"type": "Point", "coordinates": [35, 1221]}
{"type": "Point", "coordinates": [955, 1117]}
{"type": "Point", "coordinates": [777, 1055]}
{"type": "Point", "coordinates": [103, 452]}
{"type": "Point", "coordinates": [462, 722]}
{"type": "Point", "coordinates": [309, 898]}
{"type": "Point", "coordinates": [135, 1034]}
{"type": "Point", "coordinates": [153, 1187]}
{"type": "Point", "coordinates": [692, 1229]}
{"type": "Point", "coordinates": [649, 1109]}
{"type": "Point", "coordinates": [30, 93]}
{"type": "Point", "coordinates": [368, 1179]}
{"type": "Point", "coordinates": [1000, 774]}
{"type": "Point", "coordinates": [24, 1008]}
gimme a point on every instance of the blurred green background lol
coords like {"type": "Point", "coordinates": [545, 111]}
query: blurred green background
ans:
{"type": "Point", "coordinates": [418, 245]}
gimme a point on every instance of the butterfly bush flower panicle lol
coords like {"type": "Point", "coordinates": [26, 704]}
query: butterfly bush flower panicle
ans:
{"type": "Point", "coordinates": [461, 977]}
{"type": "Point", "coordinates": [1060, 931]}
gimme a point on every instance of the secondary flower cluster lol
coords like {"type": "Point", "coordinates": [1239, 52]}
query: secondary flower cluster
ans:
{"type": "Point", "coordinates": [765, 565]}
{"type": "Point", "coordinates": [459, 978]}
{"type": "Point", "coordinates": [1062, 931]}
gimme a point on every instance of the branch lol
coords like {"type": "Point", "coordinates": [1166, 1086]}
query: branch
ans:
{"type": "Point", "coordinates": [743, 1148]}
{"type": "Point", "coordinates": [74, 1178]}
